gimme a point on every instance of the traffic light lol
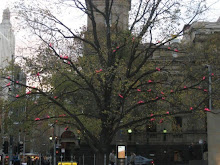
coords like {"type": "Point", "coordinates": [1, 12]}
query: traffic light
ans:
{"type": "Point", "coordinates": [20, 147]}
{"type": "Point", "coordinates": [5, 147]}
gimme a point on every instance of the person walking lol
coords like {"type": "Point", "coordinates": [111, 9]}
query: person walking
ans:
{"type": "Point", "coordinates": [132, 158]}
{"type": "Point", "coordinates": [112, 157]}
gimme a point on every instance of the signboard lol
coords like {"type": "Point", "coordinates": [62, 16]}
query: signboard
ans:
{"type": "Point", "coordinates": [121, 151]}
{"type": "Point", "coordinates": [67, 163]}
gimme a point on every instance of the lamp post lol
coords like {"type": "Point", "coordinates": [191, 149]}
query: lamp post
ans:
{"type": "Point", "coordinates": [201, 143]}
{"type": "Point", "coordinates": [164, 134]}
{"type": "Point", "coordinates": [53, 138]}
{"type": "Point", "coordinates": [129, 134]}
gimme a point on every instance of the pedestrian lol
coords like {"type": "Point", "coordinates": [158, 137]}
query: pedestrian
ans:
{"type": "Point", "coordinates": [132, 158]}
{"type": "Point", "coordinates": [112, 157]}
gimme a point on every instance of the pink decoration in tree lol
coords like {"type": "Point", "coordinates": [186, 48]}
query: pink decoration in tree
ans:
{"type": "Point", "coordinates": [203, 78]}
{"type": "Point", "coordinates": [206, 109]}
{"type": "Point", "coordinates": [138, 90]}
{"type": "Point", "coordinates": [191, 108]}
{"type": "Point", "coordinates": [162, 93]}
{"type": "Point", "coordinates": [161, 121]}
{"type": "Point", "coordinates": [140, 102]}
{"type": "Point", "coordinates": [176, 50]}
{"type": "Point", "coordinates": [169, 48]}
{"type": "Point", "coordinates": [29, 92]}
{"type": "Point", "coordinates": [37, 119]}
{"type": "Point", "coordinates": [17, 96]}
{"type": "Point", "coordinates": [167, 112]}
{"type": "Point", "coordinates": [205, 90]}
{"type": "Point", "coordinates": [66, 128]}
{"type": "Point", "coordinates": [50, 44]}
{"type": "Point", "coordinates": [150, 81]}
{"type": "Point", "coordinates": [8, 84]}
{"type": "Point", "coordinates": [114, 51]}
{"type": "Point", "coordinates": [152, 119]}
{"type": "Point", "coordinates": [149, 90]}
{"type": "Point", "coordinates": [185, 87]}
{"type": "Point", "coordinates": [55, 97]}
{"type": "Point", "coordinates": [120, 96]}
{"type": "Point", "coordinates": [17, 82]}
{"type": "Point", "coordinates": [151, 114]}
{"type": "Point", "coordinates": [38, 74]}
{"type": "Point", "coordinates": [158, 69]}
{"type": "Point", "coordinates": [171, 91]}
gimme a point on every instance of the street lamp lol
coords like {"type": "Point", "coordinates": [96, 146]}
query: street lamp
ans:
{"type": "Point", "coordinates": [164, 134]}
{"type": "Point", "coordinates": [129, 134]}
{"type": "Point", "coordinates": [201, 143]}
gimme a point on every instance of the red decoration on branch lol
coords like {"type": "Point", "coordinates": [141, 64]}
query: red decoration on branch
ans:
{"type": "Point", "coordinates": [50, 45]}
{"type": "Point", "coordinates": [120, 96]}
{"type": "Point", "coordinates": [185, 87]}
{"type": "Point", "coordinates": [169, 48]}
{"type": "Point", "coordinates": [150, 81]}
{"type": "Point", "coordinates": [163, 98]}
{"type": "Point", "coordinates": [29, 92]}
{"type": "Point", "coordinates": [8, 84]}
{"type": "Point", "coordinates": [191, 108]}
{"type": "Point", "coordinates": [66, 128]}
{"type": "Point", "coordinates": [8, 77]}
{"type": "Point", "coordinates": [171, 91]}
{"type": "Point", "coordinates": [17, 96]}
{"type": "Point", "coordinates": [151, 114]}
{"type": "Point", "coordinates": [167, 112]}
{"type": "Point", "coordinates": [158, 69]}
{"type": "Point", "coordinates": [152, 119]}
{"type": "Point", "coordinates": [138, 90]}
{"type": "Point", "coordinates": [140, 102]}
{"type": "Point", "coordinates": [208, 110]}
{"type": "Point", "coordinates": [37, 119]}
{"type": "Point", "coordinates": [55, 97]}
{"type": "Point", "coordinates": [203, 78]}
{"type": "Point", "coordinates": [114, 51]}
{"type": "Point", "coordinates": [205, 90]}
{"type": "Point", "coordinates": [38, 74]}
{"type": "Point", "coordinates": [161, 121]}
{"type": "Point", "coordinates": [117, 47]}
{"type": "Point", "coordinates": [212, 74]}
{"type": "Point", "coordinates": [97, 71]}
{"type": "Point", "coordinates": [17, 82]}
{"type": "Point", "coordinates": [176, 50]}
{"type": "Point", "coordinates": [149, 90]}
{"type": "Point", "coordinates": [162, 93]}
{"type": "Point", "coordinates": [48, 116]}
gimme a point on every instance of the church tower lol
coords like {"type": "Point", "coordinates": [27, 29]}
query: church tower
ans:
{"type": "Point", "coordinates": [119, 13]}
{"type": "Point", "coordinates": [7, 40]}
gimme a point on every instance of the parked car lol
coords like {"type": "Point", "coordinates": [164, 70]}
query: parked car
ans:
{"type": "Point", "coordinates": [140, 160]}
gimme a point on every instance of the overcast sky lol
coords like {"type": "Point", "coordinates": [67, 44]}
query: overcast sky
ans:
{"type": "Point", "coordinates": [211, 15]}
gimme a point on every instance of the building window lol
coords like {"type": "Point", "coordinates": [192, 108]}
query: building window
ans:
{"type": "Point", "coordinates": [177, 124]}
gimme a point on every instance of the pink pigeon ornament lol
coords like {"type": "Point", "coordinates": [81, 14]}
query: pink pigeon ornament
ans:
{"type": "Point", "coordinates": [150, 81]}
{"type": "Point", "coordinates": [17, 96]}
{"type": "Point", "coordinates": [140, 102]}
{"type": "Point", "coordinates": [203, 78]}
{"type": "Point", "coordinates": [120, 96]}
{"type": "Point", "coordinates": [161, 121]}
{"type": "Point", "coordinates": [37, 119]}
{"type": "Point", "coordinates": [206, 109]}
{"type": "Point", "coordinates": [138, 90]}
{"type": "Point", "coordinates": [8, 84]}
{"type": "Point", "coordinates": [152, 119]}
{"type": "Point", "coordinates": [149, 90]}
